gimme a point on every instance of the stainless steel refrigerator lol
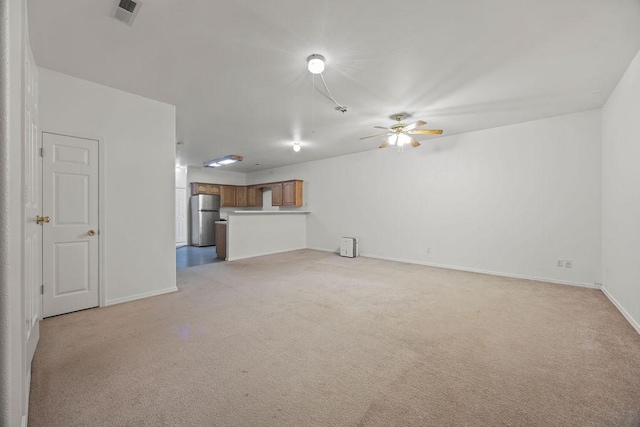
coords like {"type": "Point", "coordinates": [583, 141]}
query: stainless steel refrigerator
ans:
{"type": "Point", "coordinates": [205, 211]}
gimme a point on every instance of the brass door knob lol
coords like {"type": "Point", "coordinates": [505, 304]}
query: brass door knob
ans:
{"type": "Point", "coordinates": [42, 219]}
{"type": "Point", "coordinates": [91, 233]}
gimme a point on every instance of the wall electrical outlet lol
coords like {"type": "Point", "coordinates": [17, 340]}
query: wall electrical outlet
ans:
{"type": "Point", "coordinates": [560, 263]}
{"type": "Point", "coordinates": [428, 250]}
{"type": "Point", "coordinates": [568, 263]}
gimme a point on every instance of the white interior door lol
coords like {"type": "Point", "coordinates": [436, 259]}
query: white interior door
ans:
{"type": "Point", "coordinates": [181, 216]}
{"type": "Point", "coordinates": [32, 205]}
{"type": "Point", "coordinates": [71, 238]}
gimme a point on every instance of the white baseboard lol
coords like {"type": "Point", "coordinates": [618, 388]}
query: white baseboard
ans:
{"type": "Point", "coordinates": [493, 273]}
{"type": "Point", "coordinates": [140, 296]}
{"type": "Point", "coordinates": [631, 320]}
{"type": "Point", "coordinates": [25, 416]}
{"type": "Point", "coordinates": [335, 251]}
{"type": "Point", "coordinates": [474, 270]}
{"type": "Point", "coordinates": [264, 253]}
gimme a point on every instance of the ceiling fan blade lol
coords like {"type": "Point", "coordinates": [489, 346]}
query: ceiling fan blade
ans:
{"type": "Point", "coordinates": [371, 136]}
{"type": "Point", "coordinates": [414, 143]}
{"type": "Point", "coordinates": [414, 125]}
{"type": "Point", "coordinates": [384, 144]}
{"type": "Point", "coordinates": [381, 127]}
{"type": "Point", "coordinates": [425, 132]}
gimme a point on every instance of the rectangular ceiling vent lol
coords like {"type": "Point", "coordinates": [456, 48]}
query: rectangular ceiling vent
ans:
{"type": "Point", "coordinates": [126, 10]}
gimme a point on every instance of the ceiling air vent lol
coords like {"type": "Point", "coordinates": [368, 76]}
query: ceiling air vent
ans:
{"type": "Point", "coordinates": [126, 10]}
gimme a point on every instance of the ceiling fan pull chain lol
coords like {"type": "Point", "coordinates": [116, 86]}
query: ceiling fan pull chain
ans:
{"type": "Point", "coordinates": [341, 107]}
{"type": "Point", "coordinates": [313, 105]}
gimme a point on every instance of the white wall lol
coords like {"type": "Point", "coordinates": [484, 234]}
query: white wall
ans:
{"type": "Point", "coordinates": [621, 194]}
{"type": "Point", "coordinates": [181, 177]}
{"type": "Point", "coordinates": [509, 200]}
{"type": "Point", "coordinates": [13, 386]}
{"type": "Point", "coordinates": [139, 146]}
{"type": "Point", "coordinates": [216, 176]}
{"type": "Point", "coordinates": [182, 211]}
{"type": "Point", "coordinates": [251, 235]}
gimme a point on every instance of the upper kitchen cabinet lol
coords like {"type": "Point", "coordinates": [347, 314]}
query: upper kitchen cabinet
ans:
{"type": "Point", "coordinates": [284, 193]}
{"type": "Point", "coordinates": [254, 197]}
{"type": "Point", "coordinates": [227, 195]}
{"type": "Point", "coordinates": [292, 193]}
{"type": "Point", "coordinates": [241, 196]}
{"type": "Point", "coordinates": [276, 194]}
{"type": "Point", "coordinates": [204, 188]}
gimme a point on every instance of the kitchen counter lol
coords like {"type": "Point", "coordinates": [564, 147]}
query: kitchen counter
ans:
{"type": "Point", "coordinates": [256, 212]}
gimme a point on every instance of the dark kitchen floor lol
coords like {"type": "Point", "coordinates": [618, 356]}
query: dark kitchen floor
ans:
{"type": "Point", "coordinates": [190, 256]}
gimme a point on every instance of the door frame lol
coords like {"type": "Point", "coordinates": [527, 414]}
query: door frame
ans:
{"type": "Point", "coordinates": [102, 223]}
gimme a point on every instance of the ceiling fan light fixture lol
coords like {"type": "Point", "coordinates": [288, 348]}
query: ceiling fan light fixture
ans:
{"type": "Point", "coordinates": [296, 146]}
{"type": "Point", "coordinates": [400, 134]}
{"type": "Point", "coordinates": [221, 161]}
{"type": "Point", "coordinates": [315, 63]}
{"type": "Point", "coordinates": [399, 138]}
{"type": "Point", "coordinates": [403, 139]}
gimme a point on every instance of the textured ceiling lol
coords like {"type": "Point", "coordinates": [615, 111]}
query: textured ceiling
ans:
{"type": "Point", "coordinates": [236, 70]}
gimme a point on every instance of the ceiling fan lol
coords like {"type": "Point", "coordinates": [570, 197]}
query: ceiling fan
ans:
{"type": "Point", "coordinates": [400, 134]}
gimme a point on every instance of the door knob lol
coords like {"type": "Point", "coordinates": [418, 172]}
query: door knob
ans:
{"type": "Point", "coordinates": [42, 219]}
{"type": "Point", "coordinates": [91, 233]}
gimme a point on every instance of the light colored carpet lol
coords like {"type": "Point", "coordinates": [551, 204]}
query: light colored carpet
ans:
{"type": "Point", "coordinates": [308, 338]}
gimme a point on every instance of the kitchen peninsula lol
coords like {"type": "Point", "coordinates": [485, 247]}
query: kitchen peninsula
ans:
{"type": "Point", "coordinates": [255, 233]}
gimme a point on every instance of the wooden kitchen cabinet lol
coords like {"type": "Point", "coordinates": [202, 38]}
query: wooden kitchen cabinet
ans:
{"type": "Point", "coordinates": [254, 197]}
{"type": "Point", "coordinates": [241, 196]}
{"type": "Point", "coordinates": [251, 196]}
{"type": "Point", "coordinates": [292, 193]}
{"type": "Point", "coordinates": [221, 241]}
{"type": "Point", "coordinates": [227, 195]}
{"type": "Point", "coordinates": [287, 193]}
{"type": "Point", "coordinates": [204, 188]}
{"type": "Point", "coordinates": [276, 194]}
{"type": "Point", "coordinates": [259, 194]}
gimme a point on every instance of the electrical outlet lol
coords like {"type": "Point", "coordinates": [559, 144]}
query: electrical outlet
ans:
{"type": "Point", "coordinates": [568, 263]}
{"type": "Point", "coordinates": [428, 250]}
{"type": "Point", "coordinates": [560, 263]}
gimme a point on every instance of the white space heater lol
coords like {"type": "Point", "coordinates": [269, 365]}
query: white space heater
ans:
{"type": "Point", "coordinates": [349, 247]}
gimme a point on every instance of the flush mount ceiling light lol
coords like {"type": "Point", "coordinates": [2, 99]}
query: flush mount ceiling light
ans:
{"type": "Point", "coordinates": [296, 146]}
{"type": "Point", "coordinates": [315, 64]}
{"type": "Point", "coordinates": [221, 161]}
